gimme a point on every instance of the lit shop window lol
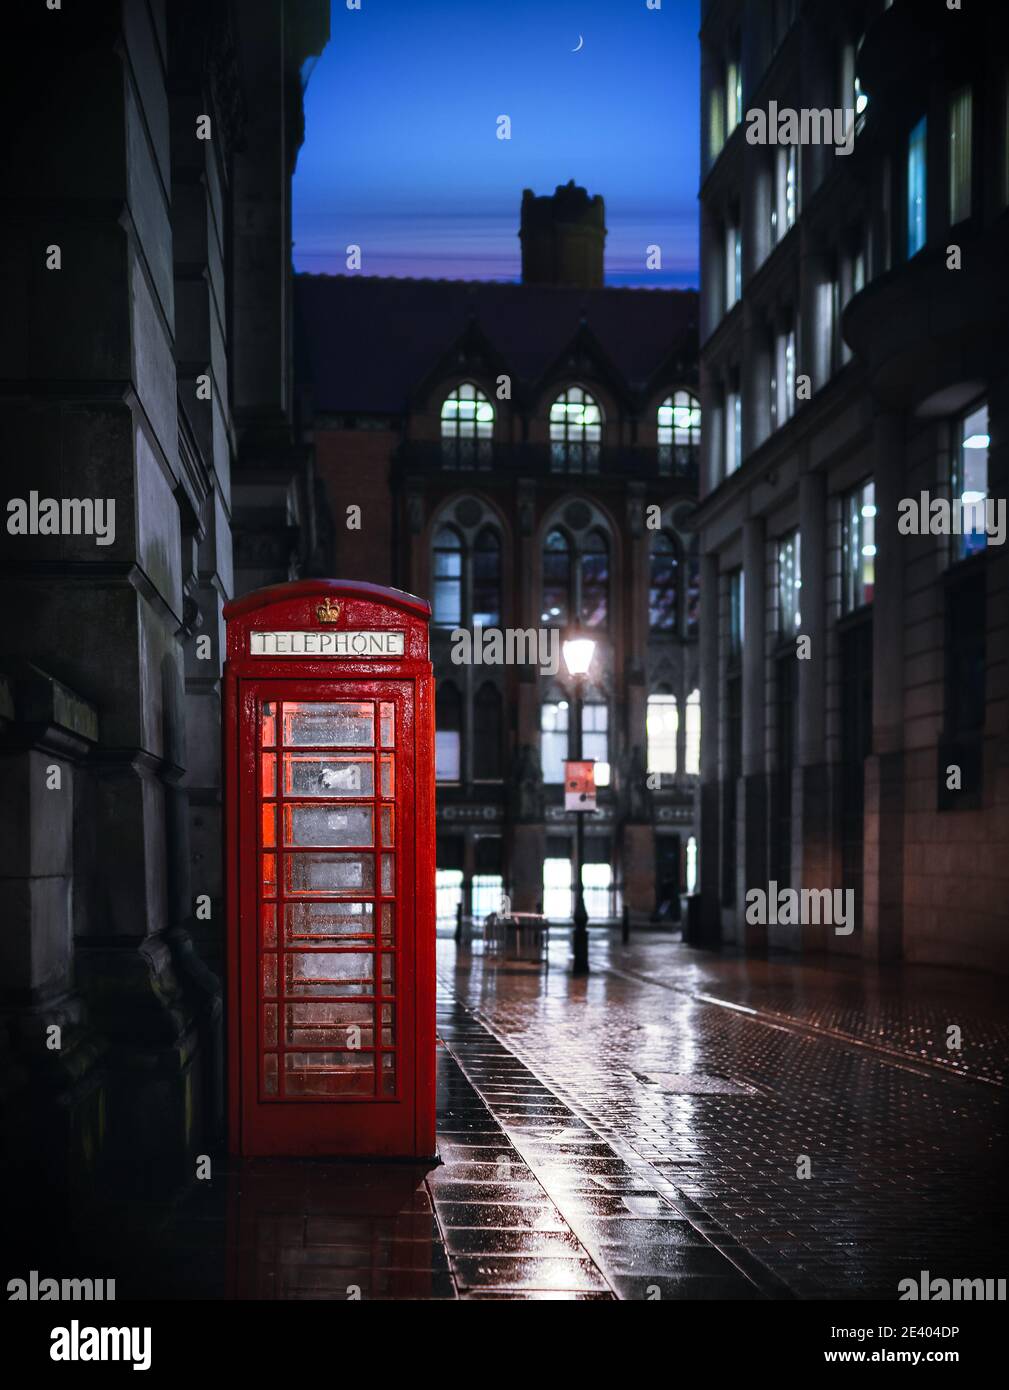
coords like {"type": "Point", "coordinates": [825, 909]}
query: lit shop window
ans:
{"type": "Point", "coordinates": [557, 888]}
{"type": "Point", "coordinates": [486, 890]}
{"type": "Point", "coordinates": [597, 890]}
{"type": "Point", "coordinates": [662, 723]}
{"type": "Point", "coordinates": [858, 547]}
{"type": "Point", "coordinates": [970, 480]}
{"type": "Point", "coordinates": [447, 893]}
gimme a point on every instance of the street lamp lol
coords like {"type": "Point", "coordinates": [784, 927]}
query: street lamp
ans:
{"type": "Point", "coordinates": [579, 649]}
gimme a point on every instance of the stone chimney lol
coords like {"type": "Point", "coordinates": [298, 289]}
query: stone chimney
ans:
{"type": "Point", "coordinates": [562, 237]}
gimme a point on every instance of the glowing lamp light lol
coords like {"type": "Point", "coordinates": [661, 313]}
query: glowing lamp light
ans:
{"type": "Point", "coordinates": [977, 441]}
{"type": "Point", "coordinates": [578, 653]}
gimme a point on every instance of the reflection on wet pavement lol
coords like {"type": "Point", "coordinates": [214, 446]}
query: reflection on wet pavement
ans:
{"type": "Point", "coordinates": [905, 1156]}
{"type": "Point", "coordinates": [638, 1134]}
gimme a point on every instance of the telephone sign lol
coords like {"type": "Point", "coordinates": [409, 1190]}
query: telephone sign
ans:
{"type": "Point", "coordinates": [329, 820]}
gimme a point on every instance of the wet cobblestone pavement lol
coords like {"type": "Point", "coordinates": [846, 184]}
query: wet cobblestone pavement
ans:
{"type": "Point", "coordinates": [633, 1135]}
{"type": "Point", "coordinates": [707, 1081]}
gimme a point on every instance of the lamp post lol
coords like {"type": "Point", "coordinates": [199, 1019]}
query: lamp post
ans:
{"type": "Point", "coordinates": [579, 650]}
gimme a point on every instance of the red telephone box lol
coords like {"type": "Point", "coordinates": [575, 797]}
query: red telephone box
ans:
{"type": "Point", "coordinates": [329, 825]}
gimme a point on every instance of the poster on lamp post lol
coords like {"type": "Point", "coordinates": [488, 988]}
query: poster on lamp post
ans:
{"type": "Point", "coordinates": [579, 786]}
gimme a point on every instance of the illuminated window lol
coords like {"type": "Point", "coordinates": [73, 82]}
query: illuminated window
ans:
{"type": "Point", "coordinates": [716, 122]}
{"type": "Point", "coordinates": [553, 739]}
{"type": "Point", "coordinates": [692, 729]}
{"type": "Point", "coordinates": [597, 891]}
{"type": "Point", "coordinates": [575, 432]}
{"type": "Point", "coordinates": [679, 432]}
{"type": "Point", "coordinates": [467, 579]}
{"type": "Point", "coordinates": [596, 739]}
{"type": "Point", "coordinates": [733, 265]}
{"type": "Point", "coordinates": [970, 481]}
{"type": "Point", "coordinates": [733, 96]}
{"type": "Point", "coordinates": [663, 588]}
{"type": "Point", "coordinates": [789, 584]}
{"type": "Point", "coordinates": [784, 376]}
{"type": "Point", "coordinates": [447, 578]}
{"type": "Point", "coordinates": [467, 426]}
{"type": "Point", "coordinates": [557, 903]}
{"type": "Point", "coordinates": [691, 864]}
{"type": "Point", "coordinates": [486, 892]}
{"type": "Point", "coordinates": [662, 724]}
{"type": "Point", "coordinates": [858, 547]}
{"type": "Point", "coordinates": [916, 204]}
{"type": "Point", "coordinates": [960, 122]}
{"type": "Point", "coordinates": [448, 733]}
{"type": "Point", "coordinates": [447, 893]}
{"type": "Point", "coordinates": [733, 431]}
{"type": "Point", "coordinates": [786, 191]}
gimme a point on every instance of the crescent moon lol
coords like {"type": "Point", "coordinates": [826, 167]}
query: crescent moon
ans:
{"type": "Point", "coordinates": [581, 44]}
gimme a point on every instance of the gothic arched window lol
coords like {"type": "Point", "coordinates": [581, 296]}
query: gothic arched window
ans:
{"type": "Point", "coordinates": [447, 578]}
{"type": "Point", "coordinates": [576, 429]}
{"type": "Point", "coordinates": [448, 733]}
{"type": "Point", "coordinates": [663, 584]}
{"type": "Point", "coordinates": [679, 424]}
{"type": "Point", "coordinates": [486, 582]}
{"type": "Point", "coordinates": [557, 579]}
{"type": "Point", "coordinates": [594, 569]}
{"type": "Point", "coordinates": [467, 427]}
{"type": "Point", "coordinates": [466, 577]}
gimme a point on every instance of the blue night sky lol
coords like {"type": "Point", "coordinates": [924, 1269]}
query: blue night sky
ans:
{"type": "Point", "coordinates": [402, 158]}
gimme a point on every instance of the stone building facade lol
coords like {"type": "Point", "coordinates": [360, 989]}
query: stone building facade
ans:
{"type": "Point", "coordinates": [854, 357]}
{"type": "Point", "coordinates": [147, 364]}
{"type": "Point", "coordinates": [504, 444]}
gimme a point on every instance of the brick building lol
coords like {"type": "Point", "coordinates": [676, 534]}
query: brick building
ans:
{"type": "Point", "coordinates": [503, 442]}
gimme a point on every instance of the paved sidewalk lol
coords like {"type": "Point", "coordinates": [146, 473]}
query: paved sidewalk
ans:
{"type": "Point", "coordinates": [658, 1055]}
{"type": "Point", "coordinates": [638, 1134]}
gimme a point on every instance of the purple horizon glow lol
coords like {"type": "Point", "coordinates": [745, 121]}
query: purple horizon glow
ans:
{"type": "Point", "coordinates": [401, 159]}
